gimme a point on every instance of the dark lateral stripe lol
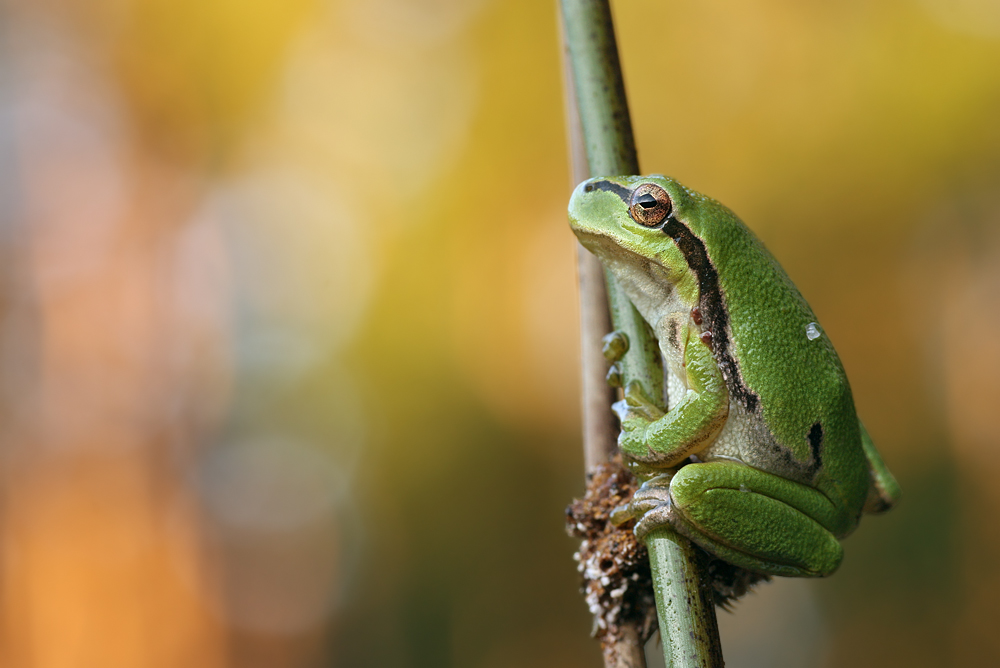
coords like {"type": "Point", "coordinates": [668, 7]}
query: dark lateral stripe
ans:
{"type": "Point", "coordinates": [610, 187]}
{"type": "Point", "coordinates": [816, 445]}
{"type": "Point", "coordinates": [712, 308]}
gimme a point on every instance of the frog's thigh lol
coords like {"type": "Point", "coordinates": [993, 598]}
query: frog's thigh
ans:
{"type": "Point", "coordinates": [756, 520]}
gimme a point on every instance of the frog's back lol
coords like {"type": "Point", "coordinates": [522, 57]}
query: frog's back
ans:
{"type": "Point", "coordinates": [781, 368]}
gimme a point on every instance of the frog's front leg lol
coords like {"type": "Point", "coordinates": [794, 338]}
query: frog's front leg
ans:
{"type": "Point", "coordinates": [755, 520]}
{"type": "Point", "coordinates": [663, 440]}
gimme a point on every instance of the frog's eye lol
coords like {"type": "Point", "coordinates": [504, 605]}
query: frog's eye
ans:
{"type": "Point", "coordinates": [650, 205]}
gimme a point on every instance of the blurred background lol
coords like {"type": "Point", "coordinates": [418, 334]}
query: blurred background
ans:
{"type": "Point", "coordinates": [288, 336]}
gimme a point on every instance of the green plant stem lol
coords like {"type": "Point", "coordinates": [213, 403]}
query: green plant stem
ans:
{"type": "Point", "coordinates": [686, 613]}
{"type": "Point", "coordinates": [625, 649]}
{"type": "Point", "coordinates": [685, 607]}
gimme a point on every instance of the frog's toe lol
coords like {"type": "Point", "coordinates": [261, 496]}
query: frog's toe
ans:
{"type": "Point", "coordinates": [614, 346]}
{"type": "Point", "coordinates": [653, 519]}
{"type": "Point", "coordinates": [614, 377]}
{"type": "Point", "coordinates": [654, 492]}
{"type": "Point", "coordinates": [651, 504]}
{"type": "Point", "coordinates": [643, 504]}
{"type": "Point", "coordinates": [621, 514]}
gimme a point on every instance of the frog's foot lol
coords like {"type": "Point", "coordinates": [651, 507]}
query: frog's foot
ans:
{"type": "Point", "coordinates": [755, 520]}
{"type": "Point", "coordinates": [649, 505]}
{"type": "Point", "coordinates": [636, 413]}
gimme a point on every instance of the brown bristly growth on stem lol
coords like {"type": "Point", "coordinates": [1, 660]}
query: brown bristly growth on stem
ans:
{"type": "Point", "coordinates": [614, 566]}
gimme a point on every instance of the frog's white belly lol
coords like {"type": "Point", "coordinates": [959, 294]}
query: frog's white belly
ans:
{"type": "Point", "coordinates": [676, 389]}
{"type": "Point", "coordinates": [744, 436]}
{"type": "Point", "coordinates": [736, 434]}
{"type": "Point", "coordinates": [734, 438]}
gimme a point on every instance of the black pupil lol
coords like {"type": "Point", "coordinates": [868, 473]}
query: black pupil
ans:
{"type": "Point", "coordinates": [646, 201]}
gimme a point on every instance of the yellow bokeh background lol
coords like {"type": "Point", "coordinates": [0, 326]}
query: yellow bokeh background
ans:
{"type": "Point", "coordinates": [288, 319]}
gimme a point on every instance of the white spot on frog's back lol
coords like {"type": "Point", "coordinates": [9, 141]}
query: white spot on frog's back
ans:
{"type": "Point", "coordinates": [812, 331]}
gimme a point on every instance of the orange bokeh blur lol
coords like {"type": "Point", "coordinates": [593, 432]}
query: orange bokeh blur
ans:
{"type": "Point", "coordinates": [288, 338]}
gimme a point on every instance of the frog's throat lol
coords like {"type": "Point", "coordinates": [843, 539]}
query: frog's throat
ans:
{"type": "Point", "coordinates": [711, 301]}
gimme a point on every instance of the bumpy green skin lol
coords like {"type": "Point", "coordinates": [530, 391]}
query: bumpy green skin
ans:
{"type": "Point", "coordinates": [784, 468]}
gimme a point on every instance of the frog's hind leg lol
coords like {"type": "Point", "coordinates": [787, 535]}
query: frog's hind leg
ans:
{"type": "Point", "coordinates": [755, 520]}
{"type": "Point", "coordinates": [884, 492]}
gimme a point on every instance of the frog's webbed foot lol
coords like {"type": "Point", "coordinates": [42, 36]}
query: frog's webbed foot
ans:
{"type": "Point", "coordinates": [650, 506]}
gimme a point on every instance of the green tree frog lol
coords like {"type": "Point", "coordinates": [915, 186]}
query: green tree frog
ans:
{"type": "Point", "coordinates": [760, 458]}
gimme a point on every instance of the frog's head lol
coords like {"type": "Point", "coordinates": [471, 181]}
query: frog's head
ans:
{"type": "Point", "coordinates": [629, 221]}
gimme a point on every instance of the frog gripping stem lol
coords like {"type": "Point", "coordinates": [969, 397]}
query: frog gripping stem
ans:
{"type": "Point", "coordinates": [598, 110]}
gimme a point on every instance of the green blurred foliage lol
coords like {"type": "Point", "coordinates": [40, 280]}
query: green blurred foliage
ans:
{"type": "Point", "coordinates": [417, 149]}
